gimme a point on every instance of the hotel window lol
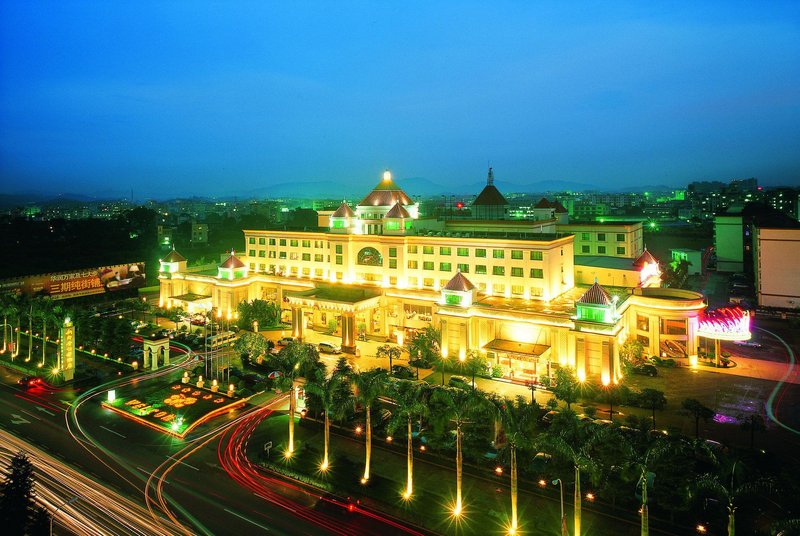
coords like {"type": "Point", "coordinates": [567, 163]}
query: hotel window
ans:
{"type": "Point", "coordinates": [272, 268]}
{"type": "Point", "coordinates": [318, 272]}
{"type": "Point", "coordinates": [412, 249]}
{"type": "Point", "coordinates": [271, 241]}
{"type": "Point", "coordinates": [293, 243]}
{"type": "Point", "coordinates": [413, 281]}
{"type": "Point", "coordinates": [517, 290]}
{"type": "Point", "coordinates": [283, 242]}
{"type": "Point", "coordinates": [673, 327]}
{"type": "Point", "coordinates": [282, 255]}
{"type": "Point", "coordinates": [253, 266]}
{"type": "Point", "coordinates": [262, 253]}
{"type": "Point", "coordinates": [392, 263]}
{"type": "Point", "coordinates": [338, 249]}
{"type": "Point", "coordinates": [271, 254]}
{"type": "Point", "coordinates": [252, 253]}
{"type": "Point", "coordinates": [585, 249]}
{"type": "Point", "coordinates": [642, 323]}
{"type": "Point", "coordinates": [480, 269]}
{"type": "Point", "coordinates": [645, 340]}
{"type": "Point", "coordinates": [537, 292]}
{"type": "Point", "coordinates": [306, 243]}
{"type": "Point", "coordinates": [480, 252]}
{"type": "Point", "coordinates": [537, 273]}
{"type": "Point", "coordinates": [499, 253]}
{"type": "Point", "coordinates": [306, 256]}
{"type": "Point", "coordinates": [585, 236]}
{"type": "Point", "coordinates": [443, 283]}
{"type": "Point", "coordinates": [536, 255]}
{"type": "Point", "coordinates": [427, 282]}
{"type": "Point", "coordinates": [338, 259]}
{"type": "Point", "coordinates": [498, 270]}
{"type": "Point", "coordinates": [306, 271]}
{"type": "Point", "coordinates": [601, 250]}
{"type": "Point", "coordinates": [262, 241]}
{"type": "Point", "coordinates": [427, 250]}
{"type": "Point", "coordinates": [319, 257]}
{"type": "Point", "coordinates": [462, 252]}
{"type": "Point", "coordinates": [621, 250]}
{"type": "Point", "coordinates": [393, 252]}
{"type": "Point", "coordinates": [412, 265]}
{"type": "Point", "coordinates": [293, 256]}
{"type": "Point", "coordinates": [251, 240]}
{"type": "Point", "coordinates": [463, 268]}
{"type": "Point", "coordinates": [444, 251]}
{"type": "Point", "coordinates": [427, 265]}
{"type": "Point", "coordinates": [393, 281]}
{"type": "Point", "coordinates": [499, 289]}
{"type": "Point", "coordinates": [445, 267]}
{"type": "Point", "coordinates": [620, 237]}
{"type": "Point", "coordinates": [601, 237]}
{"type": "Point", "coordinates": [516, 254]}
{"type": "Point", "coordinates": [261, 267]}
{"type": "Point", "coordinates": [516, 272]}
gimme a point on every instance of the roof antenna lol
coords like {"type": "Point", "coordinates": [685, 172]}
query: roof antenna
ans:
{"type": "Point", "coordinates": [490, 177]}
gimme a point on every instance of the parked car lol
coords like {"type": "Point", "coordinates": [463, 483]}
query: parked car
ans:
{"type": "Point", "coordinates": [645, 370]}
{"type": "Point", "coordinates": [283, 341]}
{"type": "Point", "coordinates": [458, 381]}
{"type": "Point", "coordinates": [748, 344]}
{"type": "Point", "coordinates": [329, 348]}
{"type": "Point", "coordinates": [29, 382]}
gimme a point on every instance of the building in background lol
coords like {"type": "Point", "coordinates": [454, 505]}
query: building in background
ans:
{"type": "Point", "coordinates": [490, 203]}
{"type": "Point", "coordinates": [692, 256]}
{"type": "Point", "coordinates": [776, 255]}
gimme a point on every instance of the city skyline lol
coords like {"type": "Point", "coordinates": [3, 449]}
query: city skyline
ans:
{"type": "Point", "coordinates": [169, 101]}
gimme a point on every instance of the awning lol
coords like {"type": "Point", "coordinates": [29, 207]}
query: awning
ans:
{"type": "Point", "coordinates": [525, 349]}
{"type": "Point", "coordinates": [344, 299]}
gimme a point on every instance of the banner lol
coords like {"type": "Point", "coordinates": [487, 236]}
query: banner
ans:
{"type": "Point", "coordinates": [63, 285]}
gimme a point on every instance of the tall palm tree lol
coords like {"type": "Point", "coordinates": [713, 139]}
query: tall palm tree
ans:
{"type": "Point", "coordinates": [518, 418]}
{"type": "Point", "coordinates": [461, 407]}
{"type": "Point", "coordinates": [336, 397]}
{"type": "Point", "coordinates": [369, 385]}
{"type": "Point", "coordinates": [296, 360]}
{"type": "Point", "coordinates": [643, 465]}
{"type": "Point", "coordinates": [731, 493]}
{"type": "Point", "coordinates": [45, 314]}
{"type": "Point", "coordinates": [17, 306]}
{"type": "Point", "coordinates": [409, 401]}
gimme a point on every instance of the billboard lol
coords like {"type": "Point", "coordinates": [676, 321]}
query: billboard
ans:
{"type": "Point", "coordinates": [63, 285]}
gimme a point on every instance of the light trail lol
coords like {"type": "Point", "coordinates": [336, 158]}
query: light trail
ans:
{"type": "Point", "coordinates": [99, 510]}
{"type": "Point", "coordinates": [771, 410]}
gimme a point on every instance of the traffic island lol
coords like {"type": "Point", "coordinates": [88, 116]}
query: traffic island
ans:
{"type": "Point", "coordinates": [175, 409]}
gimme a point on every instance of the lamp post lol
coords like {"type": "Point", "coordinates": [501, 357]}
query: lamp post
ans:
{"type": "Point", "coordinates": [563, 517]}
{"type": "Point", "coordinates": [62, 505]}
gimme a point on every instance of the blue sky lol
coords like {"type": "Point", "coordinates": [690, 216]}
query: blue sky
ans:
{"type": "Point", "coordinates": [218, 98]}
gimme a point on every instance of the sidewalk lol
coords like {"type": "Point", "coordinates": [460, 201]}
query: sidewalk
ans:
{"type": "Point", "coordinates": [760, 369]}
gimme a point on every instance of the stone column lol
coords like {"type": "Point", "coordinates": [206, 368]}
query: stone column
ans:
{"type": "Point", "coordinates": [348, 328]}
{"type": "Point", "coordinates": [298, 322]}
{"type": "Point", "coordinates": [445, 338]}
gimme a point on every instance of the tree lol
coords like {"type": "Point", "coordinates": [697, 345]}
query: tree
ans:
{"type": "Point", "coordinates": [652, 399]}
{"type": "Point", "coordinates": [252, 344]}
{"type": "Point", "coordinates": [518, 419]}
{"type": "Point", "coordinates": [567, 386]}
{"type": "Point", "coordinates": [697, 410]}
{"type": "Point", "coordinates": [266, 313]}
{"type": "Point", "coordinates": [474, 362]}
{"type": "Point", "coordinates": [17, 496]}
{"type": "Point", "coordinates": [460, 407]}
{"type": "Point", "coordinates": [425, 345]}
{"type": "Point", "coordinates": [409, 403]}
{"type": "Point", "coordinates": [369, 385]}
{"type": "Point", "coordinates": [752, 423]}
{"type": "Point", "coordinates": [713, 485]}
{"type": "Point", "coordinates": [295, 360]}
{"type": "Point", "coordinates": [632, 351]}
{"type": "Point", "coordinates": [388, 351]}
{"type": "Point", "coordinates": [644, 465]}
{"type": "Point", "coordinates": [336, 397]}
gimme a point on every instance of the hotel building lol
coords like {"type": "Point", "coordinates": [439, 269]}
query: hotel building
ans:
{"type": "Point", "coordinates": [489, 286]}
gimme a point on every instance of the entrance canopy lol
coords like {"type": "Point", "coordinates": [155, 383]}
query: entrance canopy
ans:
{"type": "Point", "coordinates": [191, 302]}
{"type": "Point", "coordinates": [342, 299]}
{"type": "Point", "coordinates": [524, 349]}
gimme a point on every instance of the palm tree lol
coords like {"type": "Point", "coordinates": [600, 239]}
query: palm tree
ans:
{"type": "Point", "coordinates": [295, 360]}
{"type": "Point", "coordinates": [518, 418]}
{"type": "Point", "coordinates": [46, 313]}
{"type": "Point", "coordinates": [388, 351]}
{"type": "Point", "coordinates": [643, 466]}
{"type": "Point", "coordinates": [459, 406]}
{"type": "Point", "coordinates": [652, 399]}
{"type": "Point", "coordinates": [697, 410]}
{"type": "Point", "coordinates": [473, 363]}
{"type": "Point", "coordinates": [17, 305]}
{"type": "Point", "coordinates": [409, 401]}
{"type": "Point", "coordinates": [5, 307]}
{"type": "Point", "coordinates": [369, 385]}
{"type": "Point", "coordinates": [731, 493]}
{"type": "Point", "coordinates": [336, 397]}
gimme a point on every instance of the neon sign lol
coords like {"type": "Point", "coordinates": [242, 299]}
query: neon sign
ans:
{"type": "Point", "coordinates": [726, 323]}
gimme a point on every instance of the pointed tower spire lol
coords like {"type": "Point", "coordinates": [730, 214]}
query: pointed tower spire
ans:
{"type": "Point", "coordinates": [490, 177]}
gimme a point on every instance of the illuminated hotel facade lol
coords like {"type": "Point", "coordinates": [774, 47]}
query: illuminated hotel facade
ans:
{"type": "Point", "coordinates": [509, 294]}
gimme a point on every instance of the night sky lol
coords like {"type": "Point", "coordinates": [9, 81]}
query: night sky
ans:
{"type": "Point", "coordinates": [194, 98]}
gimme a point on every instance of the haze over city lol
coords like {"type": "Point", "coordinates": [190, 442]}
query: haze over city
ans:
{"type": "Point", "coordinates": [161, 100]}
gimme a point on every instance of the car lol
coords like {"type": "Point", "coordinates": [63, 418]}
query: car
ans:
{"type": "Point", "coordinates": [645, 370]}
{"type": "Point", "coordinates": [329, 348]}
{"type": "Point", "coordinates": [29, 382]}
{"type": "Point", "coordinates": [748, 344]}
{"type": "Point", "coordinates": [582, 417]}
{"type": "Point", "coordinates": [549, 416]}
{"type": "Point", "coordinates": [603, 422]}
{"type": "Point", "coordinates": [458, 381]}
{"type": "Point", "coordinates": [284, 341]}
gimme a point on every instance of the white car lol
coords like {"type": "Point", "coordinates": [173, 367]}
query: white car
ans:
{"type": "Point", "coordinates": [329, 348]}
{"type": "Point", "coordinates": [748, 344]}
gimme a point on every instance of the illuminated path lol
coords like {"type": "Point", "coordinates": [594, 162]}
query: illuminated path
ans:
{"type": "Point", "coordinates": [772, 407]}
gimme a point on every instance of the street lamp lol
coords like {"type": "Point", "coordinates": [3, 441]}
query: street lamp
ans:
{"type": "Point", "coordinates": [563, 517]}
{"type": "Point", "coordinates": [52, 517]}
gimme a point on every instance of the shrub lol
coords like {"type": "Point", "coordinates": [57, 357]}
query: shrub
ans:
{"type": "Point", "coordinates": [668, 363]}
{"type": "Point", "coordinates": [497, 372]}
{"type": "Point", "coordinates": [726, 355]}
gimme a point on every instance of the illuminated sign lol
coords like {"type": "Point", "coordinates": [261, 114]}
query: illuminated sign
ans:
{"type": "Point", "coordinates": [76, 283]}
{"type": "Point", "coordinates": [726, 324]}
{"type": "Point", "coordinates": [67, 349]}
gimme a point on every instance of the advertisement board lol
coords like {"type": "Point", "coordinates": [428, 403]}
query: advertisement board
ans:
{"type": "Point", "coordinates": [63, 285]}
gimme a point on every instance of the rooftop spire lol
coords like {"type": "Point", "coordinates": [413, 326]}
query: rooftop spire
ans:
{"type": "Point", "coordinates": [490, 177]}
